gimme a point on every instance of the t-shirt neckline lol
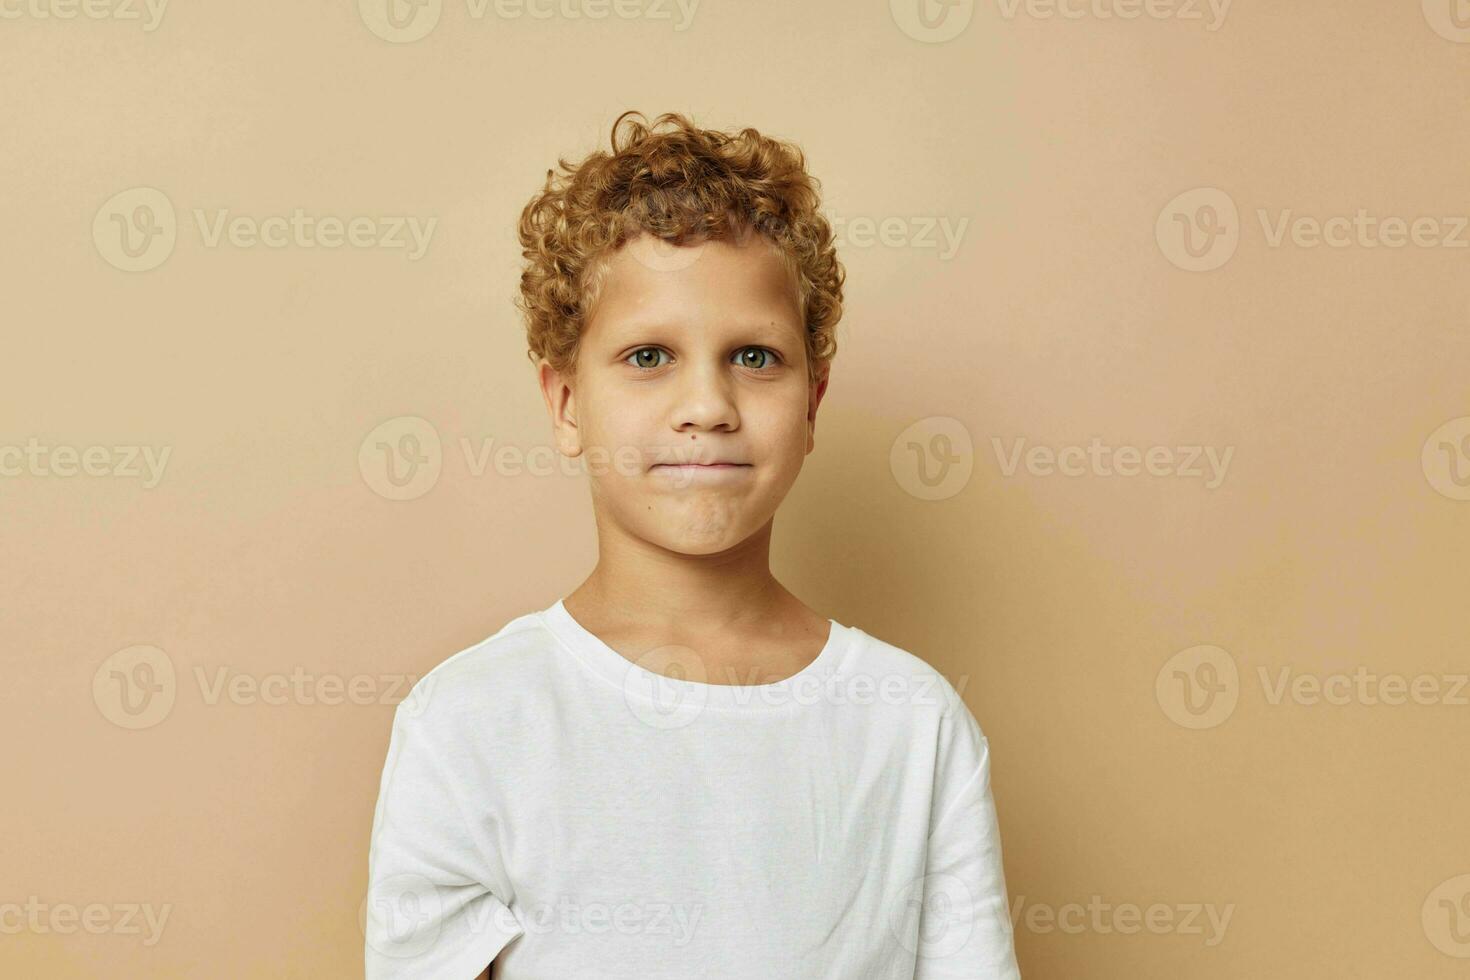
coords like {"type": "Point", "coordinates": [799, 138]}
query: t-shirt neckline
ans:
{"type": "Point", "coordinates": [636, 681]}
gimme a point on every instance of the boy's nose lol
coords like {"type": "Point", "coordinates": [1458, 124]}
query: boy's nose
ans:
{"type": "Point", "coordinates": [705, 400]}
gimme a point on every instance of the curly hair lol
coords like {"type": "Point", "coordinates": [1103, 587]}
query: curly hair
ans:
{"type": "Point", "coordinates": [683, 185]}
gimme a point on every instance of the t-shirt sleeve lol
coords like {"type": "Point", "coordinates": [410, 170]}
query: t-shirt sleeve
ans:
{"type": "Point", "coordinates": [437, 894]}
{"type": "Point", "coordinates": [964, 922]}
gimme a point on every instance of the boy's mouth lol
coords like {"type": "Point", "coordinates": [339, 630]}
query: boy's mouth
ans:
{"type": "Point", "coordinates": [686, 473]}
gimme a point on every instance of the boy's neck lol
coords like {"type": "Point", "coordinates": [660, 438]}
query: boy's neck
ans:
{"type": "Point", "coordinates": [637, 582]}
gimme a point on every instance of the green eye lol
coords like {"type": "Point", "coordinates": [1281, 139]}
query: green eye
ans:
{"type": "Point", "coordinates": [764, 354]}
{"type": "Point", "coordinates": [643, 350]}
{"type": "Point", "coordinates": [648, 358]}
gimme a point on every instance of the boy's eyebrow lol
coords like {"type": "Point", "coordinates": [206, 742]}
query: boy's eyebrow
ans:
{"type": "Point", "coordinates": [771, 327]}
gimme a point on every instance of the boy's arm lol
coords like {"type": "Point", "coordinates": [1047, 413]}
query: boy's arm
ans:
{"type": "Point", "coordinates": [965, 930]}
{"type": "Point", "coordinates": [435, 885]}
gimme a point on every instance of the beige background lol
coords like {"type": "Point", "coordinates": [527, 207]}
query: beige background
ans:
{"type": "Point", "coordinates": [1335, 543]}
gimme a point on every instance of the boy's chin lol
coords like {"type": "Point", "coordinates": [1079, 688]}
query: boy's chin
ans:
{"type": "Point", "coordinates": [699, 533]}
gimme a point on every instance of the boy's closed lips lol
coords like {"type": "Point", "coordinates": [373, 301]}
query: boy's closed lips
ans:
{"type": "Point", "coordinates": [720, 472]}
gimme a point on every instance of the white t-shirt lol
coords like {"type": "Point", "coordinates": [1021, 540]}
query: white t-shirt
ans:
{"type": "Point", "coordinates": [549, 802]}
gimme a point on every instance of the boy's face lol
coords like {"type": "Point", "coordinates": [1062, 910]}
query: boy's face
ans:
{"type": "Point", "coordinates": [693, 355]}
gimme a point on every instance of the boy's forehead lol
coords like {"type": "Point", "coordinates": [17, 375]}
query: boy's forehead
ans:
{"type": "Point", "coordinates": [649, 280]}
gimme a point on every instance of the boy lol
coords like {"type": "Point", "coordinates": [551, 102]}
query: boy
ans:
{"type": "Point", "coordinates": [680, 770]}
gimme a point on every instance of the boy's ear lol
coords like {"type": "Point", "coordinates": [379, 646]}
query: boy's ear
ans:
{"type": "Point", "coordinates": [814, 399]}
{"type": "Point", "coordinates": [817, 390]}
{"type": "Point", "coordinates": [561, 404]}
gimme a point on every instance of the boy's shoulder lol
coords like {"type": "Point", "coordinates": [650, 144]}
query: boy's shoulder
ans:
{"type": "Point", "coordinates": [512, 659]}
{"type": "Point", "coordinates": [906, 674]}
{"type": "Point", "coordinates": [519, 662]}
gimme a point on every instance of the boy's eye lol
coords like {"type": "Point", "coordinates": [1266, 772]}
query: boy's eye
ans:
{"type": "Point", "coordinates": [648, 357]}
{"type": "Point", "coordinates": [655, 351]}
{"type": "Point", "coordinates": [762, 353]}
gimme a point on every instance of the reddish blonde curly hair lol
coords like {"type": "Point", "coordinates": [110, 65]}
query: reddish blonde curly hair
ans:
{"type": "Point", "coordinates": [683, 185]}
